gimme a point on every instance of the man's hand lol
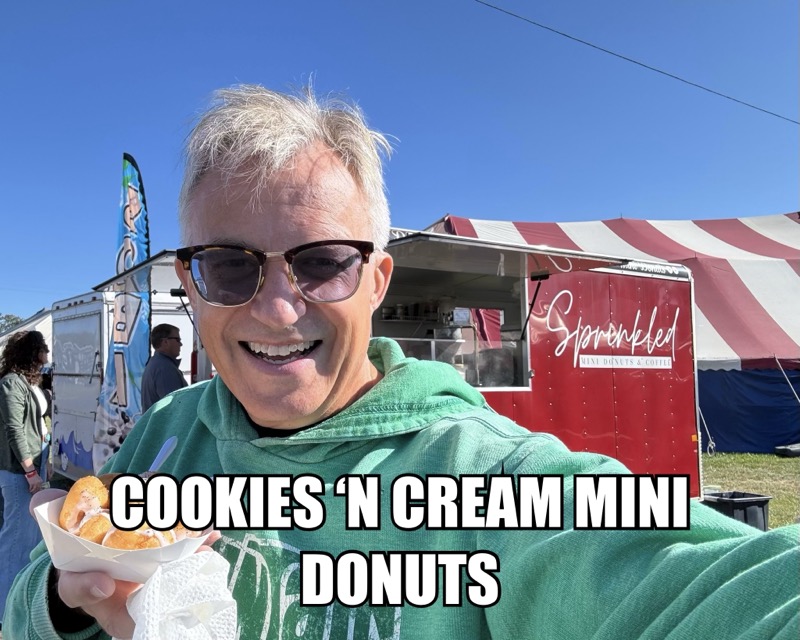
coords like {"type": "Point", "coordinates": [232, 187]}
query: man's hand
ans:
{"type": "Point", "coordinates": [45, 495]}
{"type": "Point", "coordinates": [92, 594]}
{"type": "Point", "coordinates": [96, 594]}
{"type": "Point", "coordinates": [101, 597]}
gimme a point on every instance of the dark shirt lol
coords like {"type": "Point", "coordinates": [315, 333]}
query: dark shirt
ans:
{"type": "Point", "coordinates": [161, 376]}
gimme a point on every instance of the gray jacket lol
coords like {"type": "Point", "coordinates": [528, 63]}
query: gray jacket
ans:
{"type": "Point", "coordinates": [20, 424]}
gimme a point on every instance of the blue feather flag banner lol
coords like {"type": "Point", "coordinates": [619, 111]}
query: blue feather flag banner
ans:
{"type": "Point", "coordinates": [120, 402]}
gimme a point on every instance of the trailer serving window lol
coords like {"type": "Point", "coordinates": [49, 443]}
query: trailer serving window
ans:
{"type": "Point", "coordinates": [465, 302]}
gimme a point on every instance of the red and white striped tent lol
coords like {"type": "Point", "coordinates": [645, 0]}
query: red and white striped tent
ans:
{"type": "Point", "coordinates": [746, 273]}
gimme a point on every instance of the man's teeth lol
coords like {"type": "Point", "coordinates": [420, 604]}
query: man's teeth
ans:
{"type": "Point", "coordinates": [272, 350]}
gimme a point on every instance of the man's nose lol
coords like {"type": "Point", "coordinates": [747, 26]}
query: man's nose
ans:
{"type": "Point", "coordinates": [277, 304]}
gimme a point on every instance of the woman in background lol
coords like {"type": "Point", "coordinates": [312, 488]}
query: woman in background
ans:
{"type": "Point", "coordinates": [22, 409]}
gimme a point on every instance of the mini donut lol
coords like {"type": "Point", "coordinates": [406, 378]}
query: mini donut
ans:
{"type": "Point", "coordinates": [94, 528]}
{"type": "Point", "coordinates": [142, 538]}
{"type": "Point", "coordinates": [87, 496]}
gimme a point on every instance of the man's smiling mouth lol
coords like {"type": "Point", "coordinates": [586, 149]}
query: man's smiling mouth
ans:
{"type": "Point", "coordinates": [283, 353]}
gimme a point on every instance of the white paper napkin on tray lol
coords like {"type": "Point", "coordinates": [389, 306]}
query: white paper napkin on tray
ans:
{"type": "Point", "coordinates": [186, 599]}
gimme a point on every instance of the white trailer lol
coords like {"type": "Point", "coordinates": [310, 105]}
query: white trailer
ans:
{"type": "Point", "coordinates": [83, 327]}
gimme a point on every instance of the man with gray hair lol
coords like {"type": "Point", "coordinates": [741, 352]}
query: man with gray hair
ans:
{"type": "Point", "coordinates": [285, 223]}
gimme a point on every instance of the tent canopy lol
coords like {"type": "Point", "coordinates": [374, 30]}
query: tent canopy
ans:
{"type": "Point", "coordinates": [746, 272]}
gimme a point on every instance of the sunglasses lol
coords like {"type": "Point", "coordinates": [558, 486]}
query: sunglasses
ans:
{"type": "Point", "coordinates": [231, 276]}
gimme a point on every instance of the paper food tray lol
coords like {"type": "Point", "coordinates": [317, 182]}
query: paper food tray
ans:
{"type": "Point", "coordinates": [72, 553]}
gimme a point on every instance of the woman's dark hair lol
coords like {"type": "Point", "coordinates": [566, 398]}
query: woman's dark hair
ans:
{"type": "Point", "coordinates": [21, 356]}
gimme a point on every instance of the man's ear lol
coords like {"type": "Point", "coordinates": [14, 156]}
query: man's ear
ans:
{"type": "Point", "coordinates": [382, 274]}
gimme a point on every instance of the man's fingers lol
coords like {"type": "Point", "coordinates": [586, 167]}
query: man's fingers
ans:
{"type": "Point", "coordinates": [84, 589]}
{"type": "Point", "coordinates": [45, 495]}
{"type": "Point", "coordinates": [101, 597]}
{"type": "Point", "coordinates": [213, 537]}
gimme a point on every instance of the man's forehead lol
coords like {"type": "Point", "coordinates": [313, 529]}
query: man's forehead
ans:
{"type": "Point", "coordinates": [317, 192]}
{"type": "Point", "coordinates": [310, 178]}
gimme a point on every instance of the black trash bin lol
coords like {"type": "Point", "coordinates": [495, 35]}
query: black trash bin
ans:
{"type": "Point", "coordinates": [750, 508]}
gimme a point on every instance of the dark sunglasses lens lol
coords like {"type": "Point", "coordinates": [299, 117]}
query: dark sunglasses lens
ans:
{"type": "Point", "coordinates": [226, 276]}
{"type": "Point", "coordinates": [329, 273]}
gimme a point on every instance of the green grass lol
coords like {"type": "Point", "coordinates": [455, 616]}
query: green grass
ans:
{"type": "Point", "coordinates": [764, 474]}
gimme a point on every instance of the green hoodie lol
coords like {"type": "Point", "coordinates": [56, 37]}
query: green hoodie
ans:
{"type": "Point", "coordinates": [719, 579]}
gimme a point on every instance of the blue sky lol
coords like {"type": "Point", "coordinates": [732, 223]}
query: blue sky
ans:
{"type": "Point", "coordinates": [492, 117]}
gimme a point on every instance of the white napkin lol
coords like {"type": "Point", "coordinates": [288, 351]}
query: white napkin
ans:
{"type": "Point", "coordinates": [186, 599]}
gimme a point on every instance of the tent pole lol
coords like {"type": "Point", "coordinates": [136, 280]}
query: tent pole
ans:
{"type": "Point", "coordinates": [787, 378]}
{"type": "Point", "coordinates": [711, 448]}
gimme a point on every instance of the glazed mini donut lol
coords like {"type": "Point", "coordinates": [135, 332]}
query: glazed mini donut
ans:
{"type": "Point", "coordinates": [142, 538]}
{"type": "Point", "coordinates": [87, 496]}
{"type": "Point", "coordinates": [94, 527]}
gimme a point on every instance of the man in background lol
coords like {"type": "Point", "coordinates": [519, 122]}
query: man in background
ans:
{"type": "Point", "coordinates": [162, 375]}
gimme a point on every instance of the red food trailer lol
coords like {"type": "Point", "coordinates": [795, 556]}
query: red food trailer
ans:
{"type": "Point", "coordinates": [594, 349]}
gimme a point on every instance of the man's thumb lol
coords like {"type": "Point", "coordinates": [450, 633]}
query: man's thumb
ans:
{"type": "Point", "coordinates": [45, 495]}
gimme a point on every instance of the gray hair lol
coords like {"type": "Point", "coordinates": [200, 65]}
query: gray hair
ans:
{"type": "Point", "coordinates": [250, 122]}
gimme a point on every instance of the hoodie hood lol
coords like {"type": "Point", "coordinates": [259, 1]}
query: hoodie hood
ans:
{"type": "Point", "coordinates": [410, 395]}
